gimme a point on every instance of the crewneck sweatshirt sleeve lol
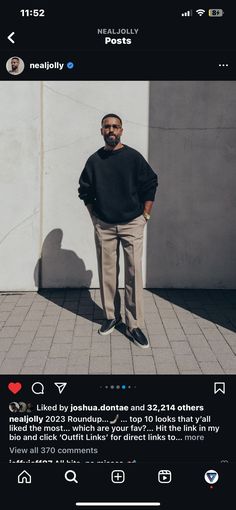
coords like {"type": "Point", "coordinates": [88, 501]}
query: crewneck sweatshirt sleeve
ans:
{"type": "Point", "coordinates": [86, 190]}
{"type": "Point", "coordinates": [147, 181]}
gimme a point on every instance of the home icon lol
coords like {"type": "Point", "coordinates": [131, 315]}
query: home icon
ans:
{"type": "Point", "coordinates": [24, 477]}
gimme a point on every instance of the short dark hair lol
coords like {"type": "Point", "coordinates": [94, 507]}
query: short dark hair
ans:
{"type": "Point", "coordinates": [15, 58]}
{"type": "Point", "coordinates": [111, 115]}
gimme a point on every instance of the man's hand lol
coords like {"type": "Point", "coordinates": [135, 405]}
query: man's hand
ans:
{"type": "Point", "coordinates": [148, 206]}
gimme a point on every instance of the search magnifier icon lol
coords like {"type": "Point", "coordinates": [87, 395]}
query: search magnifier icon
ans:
{"type": "Point", "coordinates": [70, 476]}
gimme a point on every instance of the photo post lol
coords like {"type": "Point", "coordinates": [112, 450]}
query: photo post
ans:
{"type": "Point", "coordinates": [117, 257]}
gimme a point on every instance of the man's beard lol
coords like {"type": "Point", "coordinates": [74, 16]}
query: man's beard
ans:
{"type": "Point", "coordinates": [112, 141]}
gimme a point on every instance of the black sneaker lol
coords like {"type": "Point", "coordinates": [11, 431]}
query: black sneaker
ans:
{"type": "Point", "coordinates": [108, 326]}
{"type": "Point", "coordinates": [138, 337]}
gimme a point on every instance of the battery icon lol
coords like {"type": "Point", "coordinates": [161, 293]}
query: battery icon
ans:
{"type": "Point", "coordinates": [215, 13]}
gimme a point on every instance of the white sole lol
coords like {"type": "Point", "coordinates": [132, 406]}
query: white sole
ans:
{"type": "Point", "coordinates": [139, 345]}
{"type": "Point", "coordinates": [110, 330]}
{"type": "Point", "coordinates": [106, 332]}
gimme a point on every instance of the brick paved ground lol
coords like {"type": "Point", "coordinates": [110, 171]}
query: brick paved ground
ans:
{"type": "Point", "coordinates": [55, 332]}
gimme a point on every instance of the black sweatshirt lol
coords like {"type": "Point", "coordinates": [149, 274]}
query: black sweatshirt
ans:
{"type": "Point", "coordinates": [117, 183]}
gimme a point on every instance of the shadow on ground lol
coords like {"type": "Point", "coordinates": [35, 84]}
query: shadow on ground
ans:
{"type": "Point", "coordinates": [77, 301]}
{"type": "Point", "coordinates": [214, 306]}
{"type": "Point", "coordinates": [63, 269]}
{"type": "Point", "coordinates": [63, 279]}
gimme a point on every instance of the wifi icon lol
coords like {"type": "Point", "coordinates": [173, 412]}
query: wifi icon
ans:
{"type": "Point", "coordinates": [200, 12]}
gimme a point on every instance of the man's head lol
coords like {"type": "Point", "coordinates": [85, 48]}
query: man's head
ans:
{"type": "Point", "coordinates": [15, 61]}
{"type": "Point", "coordinates": [111, 129]}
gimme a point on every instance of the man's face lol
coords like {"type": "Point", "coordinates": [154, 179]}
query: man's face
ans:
{"type": "Point", "coordinates": [14, 64]}
{"type": "Point", "coordinates": [111, 130]}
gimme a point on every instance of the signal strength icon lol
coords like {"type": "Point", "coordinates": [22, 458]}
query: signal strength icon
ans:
{"type": "Point", "coordinates": [187, 13]}
{"type": "Point", "coordinates": [200, 12]}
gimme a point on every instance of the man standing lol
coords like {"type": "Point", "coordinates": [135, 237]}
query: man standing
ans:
{"type": "Point", "coordinates": [118, 187]}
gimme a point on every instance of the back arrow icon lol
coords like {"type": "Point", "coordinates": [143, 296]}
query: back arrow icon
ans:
{"type": "Point", "coordinates": [10, 38]}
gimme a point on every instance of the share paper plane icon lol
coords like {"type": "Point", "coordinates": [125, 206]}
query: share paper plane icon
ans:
{"type": "Point", "coordinates": [61, 386]}
{"type": "Point", "coordinates": [211, 476]}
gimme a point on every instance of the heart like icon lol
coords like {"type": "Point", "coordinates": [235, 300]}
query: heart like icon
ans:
{"type": "Point", "coordinates": [14, 387]}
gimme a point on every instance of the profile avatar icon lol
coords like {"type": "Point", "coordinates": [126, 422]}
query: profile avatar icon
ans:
{"type": "Point", "coordinates": [15, 66]}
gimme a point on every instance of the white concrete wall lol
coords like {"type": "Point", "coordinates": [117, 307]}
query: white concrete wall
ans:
{"type": "Point", "coordinates": [20, 184]}
{"type": "Point", "coordinates": [185, 129]}
{"type": "Point", "coordinates": [67, 115]}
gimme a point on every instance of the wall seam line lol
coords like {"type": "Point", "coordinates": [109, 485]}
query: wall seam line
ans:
{"type": "Point", "coordinates": [41, 185]}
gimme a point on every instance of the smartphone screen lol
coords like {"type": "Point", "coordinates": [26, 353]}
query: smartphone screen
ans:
{"type": "Point", "coordinates": [117, 256]}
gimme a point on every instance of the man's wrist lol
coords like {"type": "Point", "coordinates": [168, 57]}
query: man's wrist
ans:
{"type": "Point", "coordinates": [146, 215]}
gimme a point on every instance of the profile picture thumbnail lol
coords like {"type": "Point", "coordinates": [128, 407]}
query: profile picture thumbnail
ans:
{"type": "Point", "coordinates": [15, 66]}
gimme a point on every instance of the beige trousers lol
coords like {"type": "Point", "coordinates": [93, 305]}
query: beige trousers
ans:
{"type": "Point", "coordinates": [108, 238]}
